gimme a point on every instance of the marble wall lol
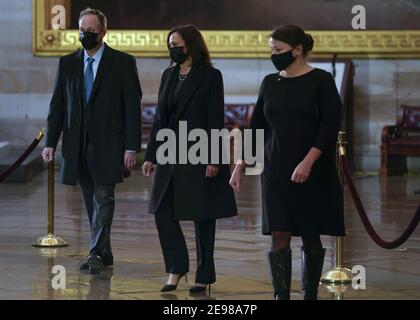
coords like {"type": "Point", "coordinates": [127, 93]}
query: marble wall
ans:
{"type": "Point", "coordinates": [26, 83]}
{"type": "Point", "coordinates": [381, 86]}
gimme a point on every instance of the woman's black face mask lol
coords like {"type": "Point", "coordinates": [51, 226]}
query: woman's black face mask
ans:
{"type": "Point", "coordinates": [282, 60]}
{"type": "Point", "coordinates": [177, 54]}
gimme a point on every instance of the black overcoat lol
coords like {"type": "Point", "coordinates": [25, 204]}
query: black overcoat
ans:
{"type": "Point", "coordinates": [201, 105]}
{"type": "Point", "coordinates": [113, 114]}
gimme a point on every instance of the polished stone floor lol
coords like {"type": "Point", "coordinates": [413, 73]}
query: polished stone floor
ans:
{"type": "Point", "coordinates": [240, 255]}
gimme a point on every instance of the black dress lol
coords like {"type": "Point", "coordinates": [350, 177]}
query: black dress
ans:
{"type": "Point", "coordinates": [297, 114]}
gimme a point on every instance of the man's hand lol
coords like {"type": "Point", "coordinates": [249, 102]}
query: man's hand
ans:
{"type": "Point", "coordinates": [148, 168]}
{"type": "Point", "coordinates": [48, 154]}
{"type": "Point", "coordinates": [129, 160]}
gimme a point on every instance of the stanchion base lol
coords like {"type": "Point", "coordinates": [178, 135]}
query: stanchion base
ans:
{"type": "Point", "coordinates": [50, 252]}
{"type": "Point", "coordinates": [50, 240]}
{"type": "Point", "coordinates": [338, 289]}
{"type": "Point", "coordinates": [337, 276]}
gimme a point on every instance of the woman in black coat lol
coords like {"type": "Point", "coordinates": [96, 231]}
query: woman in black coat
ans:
{"type": "Point", "coordinates": [299, 109]}
{"type": "Point", "coordinates": [191, 95]}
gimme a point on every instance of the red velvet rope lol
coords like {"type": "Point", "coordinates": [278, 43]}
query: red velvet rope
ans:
{"type": "Point", "coordinates": [19, 161]}
{"type": "Point", "coordinates": [365, 220]}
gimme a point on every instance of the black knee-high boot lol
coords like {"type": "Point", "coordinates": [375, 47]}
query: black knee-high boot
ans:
{"type": "Point", "coordinates": [311, 273]}
{"type": "Point", "coordinates": [281, 272]}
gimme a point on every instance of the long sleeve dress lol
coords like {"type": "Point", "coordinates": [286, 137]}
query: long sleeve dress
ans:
{"type": "Point", "coordinates": [297, 114]}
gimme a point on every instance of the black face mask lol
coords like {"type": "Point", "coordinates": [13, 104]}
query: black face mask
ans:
{"type": "Point", "coordinates": [89, 40]}
{"type": "Point", "coordinates": [282, 60]}
{"type": "Point", "coordinates": [177, 54]}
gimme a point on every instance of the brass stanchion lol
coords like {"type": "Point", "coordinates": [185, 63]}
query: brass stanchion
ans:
{"type": "Point", "coordinates": [41, 134]}
{"type": "Point", "coordinates": [50, 240]}
{"type": "Point", "coordinates": [339, 274]}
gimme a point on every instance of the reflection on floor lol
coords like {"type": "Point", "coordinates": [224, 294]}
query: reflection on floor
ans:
{"type": "Point", "coordinates": [242, 272]}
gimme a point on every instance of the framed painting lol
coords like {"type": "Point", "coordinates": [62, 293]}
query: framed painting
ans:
{"type": "Point", "coordinates": [236, 28]}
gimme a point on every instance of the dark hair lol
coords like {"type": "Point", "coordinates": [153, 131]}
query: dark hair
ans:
{"type": "Point", "coordinates": [194, 42]}
{"type": "Point", "coordinates": [294, 36]}
{"type": "Point", "coordinates": [103, 21]}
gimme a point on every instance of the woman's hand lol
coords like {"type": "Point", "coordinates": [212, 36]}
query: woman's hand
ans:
{"type": "Point", "coordinates": [211, 171]}
{"type": "Point", "coordinates": [235, 179]}
{"type": "Point", "coordinates": [148, 168]}
{"type": "Point", "coordinates": [302, 171]}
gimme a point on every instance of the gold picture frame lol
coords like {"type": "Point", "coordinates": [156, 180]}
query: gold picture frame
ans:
{"type": "Point", "coordinates": [231, 44]}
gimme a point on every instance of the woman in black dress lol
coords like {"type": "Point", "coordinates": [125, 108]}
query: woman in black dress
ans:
{"type": "Point", "coordinates": [299, 109]}
{"type": "Point", "coordinates": [190, 91]}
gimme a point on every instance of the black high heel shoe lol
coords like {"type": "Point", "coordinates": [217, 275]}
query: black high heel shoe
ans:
{"type": "Point", "coordinates": [172, 287]}
{"type": "Point", "coordinates": [200, 289]}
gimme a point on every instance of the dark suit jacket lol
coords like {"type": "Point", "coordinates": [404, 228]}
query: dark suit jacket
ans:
{"type": "Point", "coordinates": [201, 105]}
{"type": "Point", "coordinates": [113, 114]}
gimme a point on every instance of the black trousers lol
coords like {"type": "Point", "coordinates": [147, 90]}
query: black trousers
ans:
{"type": "Point", "coordinates": [175, 251]}
{"type": "Point", "coordinates": [100, 205]}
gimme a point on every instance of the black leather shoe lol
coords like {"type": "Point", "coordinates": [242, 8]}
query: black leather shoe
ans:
{"type": "Point", "coordinates": [108, 261]}
{"type": "Point", "coordinates": [172, 287]}
{"type": "Point", "coordinates": [200, 289]}
{"type": "Point", "coordinates": [84, 266]}
{"type": "Point", "coordinates": [95, 264]}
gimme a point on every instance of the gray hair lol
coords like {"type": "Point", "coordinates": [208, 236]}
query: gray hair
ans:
{"type": "Point", "coordinates": [103, 21]}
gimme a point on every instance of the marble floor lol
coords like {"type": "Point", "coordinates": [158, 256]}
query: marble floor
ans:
{"type": "Point", "coordinates": [240, 255]}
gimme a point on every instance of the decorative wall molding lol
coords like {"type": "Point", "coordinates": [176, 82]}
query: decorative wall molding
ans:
{"type": "Point", "coordinates": [232, 44]}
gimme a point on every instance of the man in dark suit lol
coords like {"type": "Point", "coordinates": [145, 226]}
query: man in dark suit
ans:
{"type": "Point", "coordinates": [96, 104]}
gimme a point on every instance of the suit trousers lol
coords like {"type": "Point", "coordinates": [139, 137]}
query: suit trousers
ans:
{"type": "Point", "coordinates": [175, 251]}
{"type": "Point", "coordinates": [100, 205]}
